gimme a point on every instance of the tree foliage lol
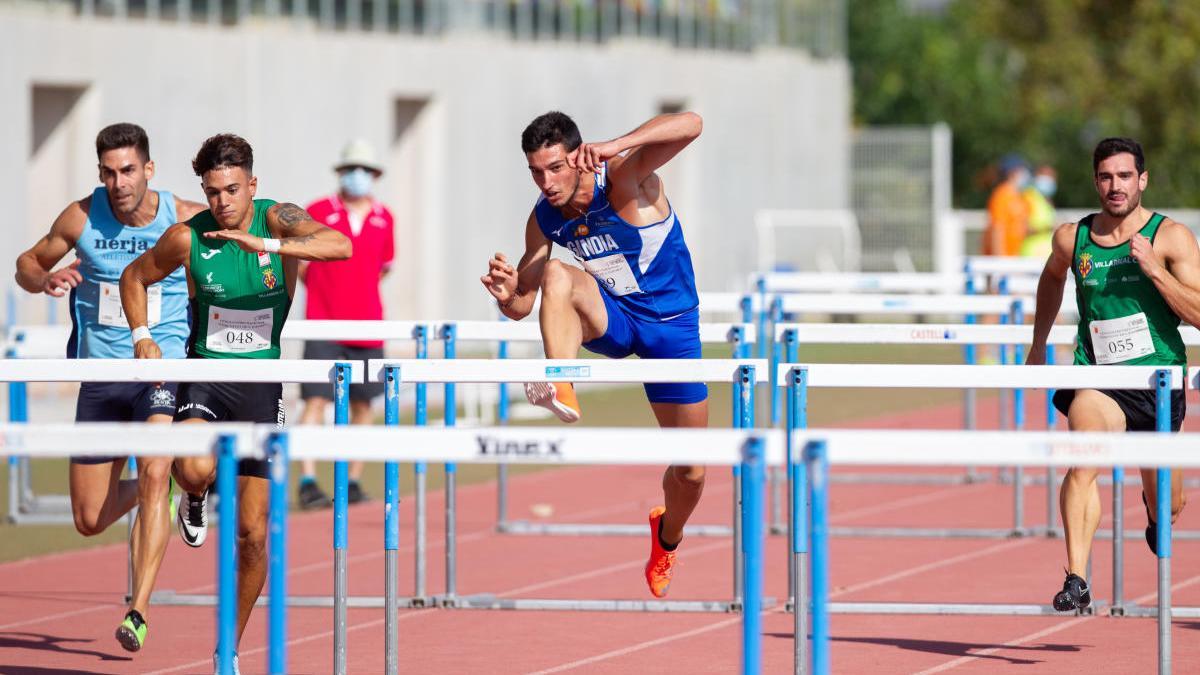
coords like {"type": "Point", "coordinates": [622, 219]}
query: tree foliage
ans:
{"type": "Point", "coordinates": [1045, 78]}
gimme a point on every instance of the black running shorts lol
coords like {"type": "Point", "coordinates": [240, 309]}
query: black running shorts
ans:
{"type": "Point", "coordinates": [259, 402]}
{"type": "Point", "coordinates": [1138, 405]}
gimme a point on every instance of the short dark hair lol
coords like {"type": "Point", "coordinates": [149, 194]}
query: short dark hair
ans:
{"type": "Point", "coordinates": [123, 135]}
{"type": "Point", "coordinates": [549, 129]}
{"type": "Point", "coordinates": [1115, 146]}
{"type": "Point", "coordinates": [223, 150]}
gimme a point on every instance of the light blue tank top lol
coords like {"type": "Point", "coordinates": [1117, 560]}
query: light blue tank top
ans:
{"type": "Point", "coordinates": [106, 246]}
{"type": "Point", "coordinates": [647, 270]}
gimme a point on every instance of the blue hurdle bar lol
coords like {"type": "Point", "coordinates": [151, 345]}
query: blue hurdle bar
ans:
{"type": "Point", "coordinates": [797, 408]}
{"type": "Point", "coordinates": [277, 447]}
{"type": "Point", "coordinates": [341, 416]}
{"type": "Point", "coordinates": [391, 531]}
{"type": "Point", "coordinates": [752, 546]}
{"type": "Point", "coordinates": [227, 610]}
{"type": "Point", "coordinates": [450, 419]}
{"type": "Point", "coordinates": [1162, 382]}
{"type": "Point", "coordinates": [817, 464]}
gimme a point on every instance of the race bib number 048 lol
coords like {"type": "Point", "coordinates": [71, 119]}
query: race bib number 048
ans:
{"type": "Point", "coordinates": [1120, 340]}
{"type": "Point", "coordinates": [238, 331]}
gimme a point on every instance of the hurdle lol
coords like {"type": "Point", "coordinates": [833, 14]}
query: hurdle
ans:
{"type": "Point", "coordinates": [44, 342]}
{"type": "Point", "coordinates": [1030, 449]}
{"type": "Point", "coordinates": [800, 378]}
{"type": "Point", "coordinates": [739, 336]}
{"type": "Point", "coordinates": [744, 374]}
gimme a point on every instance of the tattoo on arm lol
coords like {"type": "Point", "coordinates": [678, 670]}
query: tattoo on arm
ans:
{"type": "Point", "coordinates": [302, 240]}
{"type": "Point", "coordinates": [290, 216]}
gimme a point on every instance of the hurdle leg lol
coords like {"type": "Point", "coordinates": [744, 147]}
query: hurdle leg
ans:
{"type": "Point", "coordinates": [752, 543]}
{"type": "Point", "coordinates": [341, 485]}
{"type": "Point", "coordinates": [818, 480]}
{"type": "Point", "coordinates": [421, 418]}
{"type": "Point", "coordinates": [277, 552]}
{"type": "Point", "coordinates": [1118, 541]}
{"type": "Point", "coordinates": [1163, 517]}
{"type": "Point", "coordinates": [450, 416]}
{"type": "Point", "coordinates": [227, 609]}
{"type": "Point", "coordinates": [391, 531]}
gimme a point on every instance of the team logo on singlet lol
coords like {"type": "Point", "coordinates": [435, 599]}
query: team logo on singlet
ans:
{"type": "Point", "coordinates": [268, 277]}
{"type": "Point", "coordinates": [1085, 265]}
{"type": "Point", "coordinates": [582, 230]}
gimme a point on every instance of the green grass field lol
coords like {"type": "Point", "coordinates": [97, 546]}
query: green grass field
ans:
{"type": "Point", "coordinates": [625, 406]}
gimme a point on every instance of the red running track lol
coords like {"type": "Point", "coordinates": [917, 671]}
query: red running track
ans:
{"type": "Point", "coordinates": [60, 610]}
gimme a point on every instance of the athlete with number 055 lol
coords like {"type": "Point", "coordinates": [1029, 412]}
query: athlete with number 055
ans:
{"type": "Point", "coordinates": [1137, 274]}
{"type": "Point", "coordinates": [241, 258]}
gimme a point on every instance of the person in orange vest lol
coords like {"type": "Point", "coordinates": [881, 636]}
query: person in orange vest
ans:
{"type": "Point", "coordinates": [1008, 211]}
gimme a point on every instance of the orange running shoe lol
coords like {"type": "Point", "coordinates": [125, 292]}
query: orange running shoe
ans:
{"type": "Point", "coordinates": [557, 397]}
{"type": "Point", "coordinates": [661, 564]}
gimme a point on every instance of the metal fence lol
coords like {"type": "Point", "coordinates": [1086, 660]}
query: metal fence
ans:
{"type": "Point", "coordinates": [818, 26]}
{"type": "Point", "coordinates": [900, 181]}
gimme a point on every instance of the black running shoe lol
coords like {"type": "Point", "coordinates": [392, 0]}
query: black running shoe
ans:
{"type": "Point", "coordinates": [355, 494]}
{"type": "Point", "coordinates": [1074, 595]}
{"type": "Point", "coordinates": [1151, 527]}
{"type": "Point", "coordinates": [313, 497]}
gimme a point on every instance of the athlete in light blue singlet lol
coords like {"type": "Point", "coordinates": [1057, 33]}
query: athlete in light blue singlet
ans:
{"type": "Point", "coordinates": [636, 291]}
{"type": "Point", "coordinates": [107, 230]}
{"type": "Point", "coordinates": [104, 248]}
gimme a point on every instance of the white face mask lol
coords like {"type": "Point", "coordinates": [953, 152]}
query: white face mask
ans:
{"type": "Point", "coordinates": [356, 182]}
{"type": "Point", "coordinates": [1045, 185]}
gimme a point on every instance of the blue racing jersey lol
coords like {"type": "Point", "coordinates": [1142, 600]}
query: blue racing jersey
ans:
{"type": "Point", "coordinates": [647, 270]}
{"type": "Point", "coordinates": [105, 247]}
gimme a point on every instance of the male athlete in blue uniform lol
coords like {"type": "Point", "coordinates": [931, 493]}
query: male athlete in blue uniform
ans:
{"type": "Point", "coordinates": [636, 293]}
{"type": "Point", "coordinates": [107, 229]}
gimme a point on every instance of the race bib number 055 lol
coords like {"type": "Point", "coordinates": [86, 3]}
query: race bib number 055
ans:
{"type": "Point", "coordinates": [239, 331]}
{"type": "Point", "coordinates": [1120, 340]}
{"type": "Point", "coordinates": [112, 314]}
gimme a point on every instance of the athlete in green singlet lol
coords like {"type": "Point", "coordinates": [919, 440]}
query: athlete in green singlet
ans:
{"type": "Point", "coordinates": [1137, 274]}
{"type": "Point", "coordinates": [241, 258]}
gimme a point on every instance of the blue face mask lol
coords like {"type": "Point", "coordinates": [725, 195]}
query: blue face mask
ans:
{"type": "Point", "coordinates": [1046, 185]}
{"type": "Point", "coordinates": [356, 182]}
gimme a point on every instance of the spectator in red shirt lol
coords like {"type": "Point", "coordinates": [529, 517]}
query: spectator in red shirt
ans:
{"type": "Point", "coordinates": [347, 289]}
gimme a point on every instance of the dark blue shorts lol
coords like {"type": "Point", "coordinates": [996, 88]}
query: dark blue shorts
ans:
{"type": "Point", "coordinates": [121, 402]}
{"type": "Point", "coordinates": [674, 338]}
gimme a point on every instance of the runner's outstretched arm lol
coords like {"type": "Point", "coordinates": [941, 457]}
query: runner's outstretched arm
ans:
{"type": "Point", "coordinates": [1050, 291]}
{"type": "Point", "coordinates": [168, 254]}
{"type": "Point", "coordinates": [1175, 271]}
{"type": "Point", "coordinates": [516, 289]}
{"type": "Point", "coordinates": [34, 265]}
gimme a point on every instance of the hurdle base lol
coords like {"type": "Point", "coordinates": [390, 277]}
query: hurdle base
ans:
{"type": "Point", "coordinates": [491, 602]}
{"type": "Point", "coordinates": [525, 527]}
{"type": "Point", "coordinates": [931, 532]}
{"type": "Point", "coordinates": [173, 599]}
{"type": "Point", "coordinates": [1151, 612]}
{"type": "Point", "coordinates": [909, 479]}
{"type": "Point", "coordinates": [947, 608]}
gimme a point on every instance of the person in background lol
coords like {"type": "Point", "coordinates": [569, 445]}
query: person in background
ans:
{"type": "Point", "coordinates": [1008, 211]}
{"type": "Point", "coordinates": [347, 289]}
{"type": "Point", "coordinates": [1042, 219]}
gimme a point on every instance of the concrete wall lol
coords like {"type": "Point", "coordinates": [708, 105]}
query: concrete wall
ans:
{"type": "Point", "coordinates": [445, 113]}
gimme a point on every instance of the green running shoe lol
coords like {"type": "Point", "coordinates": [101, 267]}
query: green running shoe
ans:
{"type": "Point", "coordinates": [132, 631]}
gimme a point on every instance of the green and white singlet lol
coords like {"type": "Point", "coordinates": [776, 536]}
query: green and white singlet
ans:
{"type": "Point", "coordinates": [1123, 319]}
{"type": "Point", "coordinates": [240, 299]}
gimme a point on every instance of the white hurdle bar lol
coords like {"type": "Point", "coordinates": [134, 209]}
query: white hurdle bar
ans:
{"type": "Point", "coordinates": [799, 378]}
{"type": "Point", "coordinates": [739, 336]}
{"type": "Point", "coordinates": [744, 374]}
{"type": "Point", "coordinates": [939, 448]}
{"type": "Point", "coordinates": [915, 282]}
{"type": "Point", "coordinates": [750, 450]}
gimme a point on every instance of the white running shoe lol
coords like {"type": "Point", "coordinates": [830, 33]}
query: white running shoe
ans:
{"type": "Point", "coordinates": [557, 397]}
{"type": "Point", "coordinates": [192, 518]}
{"type": "Point", "coordinates": [217, 666]}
